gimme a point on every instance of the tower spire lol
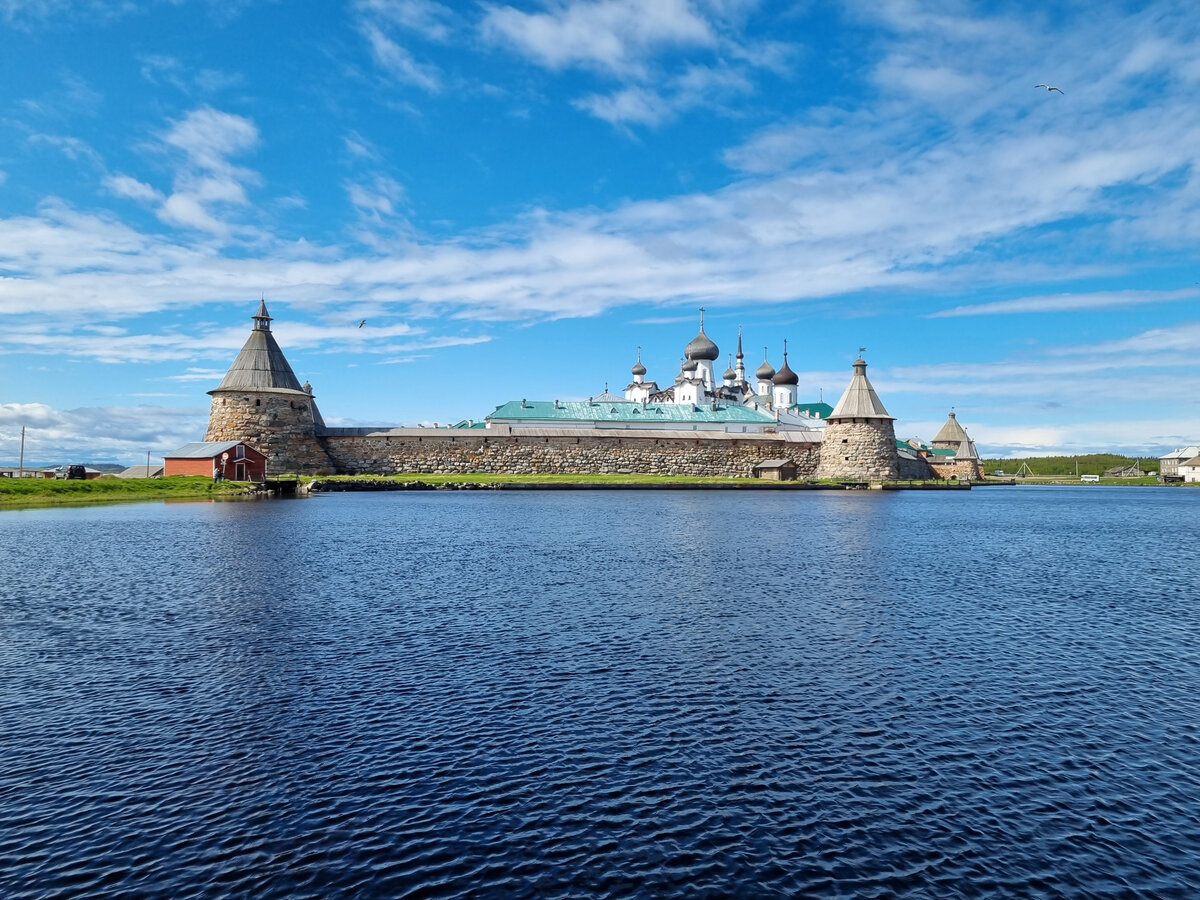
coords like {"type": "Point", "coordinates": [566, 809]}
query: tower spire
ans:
{"type": "Point", "coordinates": [262, 318]}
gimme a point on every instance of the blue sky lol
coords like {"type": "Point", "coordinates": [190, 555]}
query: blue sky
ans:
{"type": "Point", "coordinates": [517, 195]}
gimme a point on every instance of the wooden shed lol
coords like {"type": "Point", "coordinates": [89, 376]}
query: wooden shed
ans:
{"type": "Point", "coordinates": [232, 460]}
{"type": "Point", "coordinates": [776, 470]}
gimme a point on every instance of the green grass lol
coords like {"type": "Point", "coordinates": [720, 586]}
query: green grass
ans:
{"type": "Point", "coordinates": [485, 478]}
{"type": "Point", "coordinates": [1071, 479]}
{"type": "Point", "coordinates": [582, 478]}
{"type": "Point", "coordinates": [15, 492]}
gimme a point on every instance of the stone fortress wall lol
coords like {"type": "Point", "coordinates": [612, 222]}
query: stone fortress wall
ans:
{"type": "Point", "coordinates": [561, 451]}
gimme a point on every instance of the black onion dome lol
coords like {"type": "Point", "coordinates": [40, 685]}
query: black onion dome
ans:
{"type": "Point", "coordinates": [729, 374]}
{"type": "Point", "coordinates": [765, 372]}
{"type": "Point", "coordinates": [700, 347]}
{"type": "Point", "coordinates": [638, 368]}
{"type": "Point", "coordinates": [785, 375]}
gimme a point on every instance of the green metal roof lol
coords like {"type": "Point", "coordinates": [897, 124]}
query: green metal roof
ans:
{"type": "Point", "coordinates": [651, 414]}
{"type": "Point", "coordinates": [942, 451]}
{"type": "Point", "coordinates": [819, 410]}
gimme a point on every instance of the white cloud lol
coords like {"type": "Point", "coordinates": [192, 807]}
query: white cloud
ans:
{"type": "Point", "coordinates": [127, 186]}
{"type": "Point", "coordinates": [614, 36]}
{"type": "Point", "coordinates": [157, 68]}
{"type": "Point", "coordinates": [696, 86]}
{"type": "Point", "coordinates": [207, 183]}
{"type": "Point", "coordinates": [379, 199]}
{"type": "Point", "coordinates": [433, 21]}
{"type": "Point", "coordinates": [195, 374]}
{"type": "Point", "coordinates": [98, 434]}
{"type": "Point", "coordinates": [399, 62]}
{"type": "Point", "coordinates": [638, 105]}
{"type": "Point", "coordinates": [188, 211]}
{"type": "Point", "coordinates": [209, 137]}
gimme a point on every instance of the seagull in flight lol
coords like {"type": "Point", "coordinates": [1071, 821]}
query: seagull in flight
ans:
{"type": "Point", "coordinates": [362, 322]}
{"type": "Point", "coordinates": [1049, 87]}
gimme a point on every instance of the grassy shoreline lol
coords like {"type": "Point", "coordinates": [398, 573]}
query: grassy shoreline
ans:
{"type": "Point", "coordinates": [25, 493]}
{"type": "Point", "coordinates": [490, 478]}
{"type": "Point", "coordinates": [34, 492]}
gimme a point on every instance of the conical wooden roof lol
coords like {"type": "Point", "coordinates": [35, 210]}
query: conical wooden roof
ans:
{"type": "Point", "coordinates": [952, 432]}
{"type": "Point", "coordinates": [859, 401]}
{"type": "Point", "coordinates": [261, 365]}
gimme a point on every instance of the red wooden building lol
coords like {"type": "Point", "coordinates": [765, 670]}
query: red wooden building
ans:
{"type": "Point", "coordinates": [233, 460]}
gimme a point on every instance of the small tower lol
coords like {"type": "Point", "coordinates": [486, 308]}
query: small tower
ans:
{"type": "Point", "coordinates": [689, 384]}
{"type": "Point", "coordinates": [639, 390]}
{"type": "Point", "coordinates": [952, 436]}
{"type": "Point", "coordinates": [784, 384]}
{"type": "Point", "coordinates": [765, 373]}
{"type": "Point", "coordinates": [261, 402]}
{"type": "Point", "coordinates": [860, 439]}
{"type": "Point", "coordinates": [740, 368]}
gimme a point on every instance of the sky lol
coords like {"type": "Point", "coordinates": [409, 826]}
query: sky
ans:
{"type": "Point", "coordinates": [516, 196]}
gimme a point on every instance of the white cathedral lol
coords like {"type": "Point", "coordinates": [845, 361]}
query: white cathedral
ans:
{"type": "Point", "coordinates": [696, 384]}
{"type": "Point", "coordinates": [696, 400]}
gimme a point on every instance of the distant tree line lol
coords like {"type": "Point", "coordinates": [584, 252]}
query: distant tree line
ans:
{"type": "Point", "coordinates": [1089, 464]}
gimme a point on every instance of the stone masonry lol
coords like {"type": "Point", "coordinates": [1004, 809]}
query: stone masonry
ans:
{"type": "Point", "coordinates": [425, 451]}
{"type": "Point", "coordinates": [277, 423]}
{"type": "Point", "coordinates": [859, 449]}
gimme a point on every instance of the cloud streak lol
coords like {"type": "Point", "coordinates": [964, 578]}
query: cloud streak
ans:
{"type": "Point", "coordinates": [1068, 303]}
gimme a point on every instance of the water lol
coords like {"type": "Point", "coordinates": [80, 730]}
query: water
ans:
{"type": "Point", "coordinates": [616, 694]}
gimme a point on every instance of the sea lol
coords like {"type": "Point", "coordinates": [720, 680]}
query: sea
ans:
{"type": "Point", "coordinates": [620, 694]}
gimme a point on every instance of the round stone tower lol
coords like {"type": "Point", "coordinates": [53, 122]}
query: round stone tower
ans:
{"type": "Point", "coordinates": [259, 401]}
{"type": "Point", "coordinates": [860, 439]}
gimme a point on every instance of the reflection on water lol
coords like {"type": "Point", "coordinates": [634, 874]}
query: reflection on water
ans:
{"type": "Point", "coordinates": [615, 694]}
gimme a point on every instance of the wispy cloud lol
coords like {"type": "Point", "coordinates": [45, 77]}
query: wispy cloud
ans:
{"type": "Point", "coordinates": [398, 61]}
{"type": "Point", "coordinates": [1068, 302]}
{"type": "Point", "coordinates": [613, 36]}
{"type": "Point", "coordinates": [433, 21]}
{"type": "Point", "coordinates": [641, 105]}
{"type": "Point", "coordinates": [207, 183]}
{"type": "Point", "coordinates": [161, 69]}
{"type": "Point", "coordinates": [665, 58]}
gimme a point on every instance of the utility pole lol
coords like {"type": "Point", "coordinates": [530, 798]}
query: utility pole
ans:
{"type": "Point", "coordinates": [147, 463]}
{"type": "Point", "coordinates": [21, 464]}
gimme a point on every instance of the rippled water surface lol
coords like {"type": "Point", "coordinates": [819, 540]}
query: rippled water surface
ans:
{"type": "Point", "coordinates": [611, 694]}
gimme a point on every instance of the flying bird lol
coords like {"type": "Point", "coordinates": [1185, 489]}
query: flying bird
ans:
{"type": "Point", "coordinates": [362, 322]}
{"type": "Point", "coordinates": [1049, 87]}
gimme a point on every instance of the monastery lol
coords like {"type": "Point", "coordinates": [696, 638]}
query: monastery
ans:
{"type": "Point", "coordinates": [695, 426]}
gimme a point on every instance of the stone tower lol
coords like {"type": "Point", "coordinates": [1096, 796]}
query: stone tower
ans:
{"type": "Point", "coordinates": [952, 436]}
{"type": "Point", "coordinates": [259, 401]}
{"type": "Point", "coordinates": [860, 440]}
